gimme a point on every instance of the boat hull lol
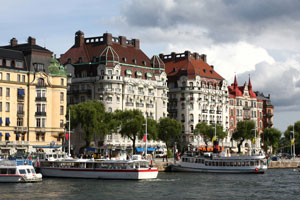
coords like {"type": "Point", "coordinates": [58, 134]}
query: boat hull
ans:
{"type": "Point", "coordinates": [252, 170]}
{"type": "Point", "coordinates": [11, 178]}
{"type": "Point", "coordinates": [131, 174]}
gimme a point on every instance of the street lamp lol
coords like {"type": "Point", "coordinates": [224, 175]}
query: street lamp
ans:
{"type": "Point", "coordinates": [293, 143]}
{"type": "Point", "coordinates": [254, 139]}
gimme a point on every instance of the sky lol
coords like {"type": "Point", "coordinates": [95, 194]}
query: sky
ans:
{"type": "Point", "coordinates": [252, 38]}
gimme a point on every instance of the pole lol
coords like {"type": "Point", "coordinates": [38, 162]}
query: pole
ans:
{"type": "Point", "coordinates": [294, 142]}
{"type": "Point", "coordinates": [255, 140]}
{"type": "Point", "coordinates": [146, 139]}
{"type": "Point", "coordinates": [69, 150]}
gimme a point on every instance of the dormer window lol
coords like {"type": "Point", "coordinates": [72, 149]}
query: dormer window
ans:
{"type": "Point", "coordinates": [19, 64]}
{"type": "Point", "coordinates": [124, 59]}
{"type": "Point", "coordinates": [41, 82]}
{"type": "Point", "coordinates": [80, 60]}
{"type": "Point", "coordinates": [39, 67]}
{"type": "Point", "coordinates": [8, 63]}
{"type": "Point", "coordinates": [144, 63]}
{"type": "Point", "coordinates": [69, 60]}
{"type": "Point", "coordinates": [204, 70]}
{"type": "Point", "coordinates": [134, 61]}
{"type": "Point", "coordinates": [1, 62]}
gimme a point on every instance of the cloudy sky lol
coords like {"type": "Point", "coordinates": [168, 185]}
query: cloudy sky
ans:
{"type": "Point", "coordinates": [254, 37]}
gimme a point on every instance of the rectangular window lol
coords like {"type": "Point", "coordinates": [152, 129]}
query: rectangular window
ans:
{"type": "Point", "coordinates": [43, 107]}
{"type": "Point", "coordinates": [61, 123]}
{"type": "Point", "coordinates": [39, 67]}
{"type": "Point", "coordinates": [61, 110]}
{"type": "Point", "coordinates": [38, 122]}
{"type": "Point", "coordinates": [19, 64]}
{"type": "Point", "coordinates": [0, 75]}
{"type": "Point", "coordinates": [62, 82]}
{"type": "Point", "coordinates": [7, 92]}
{"type": "Point", "coordinates": [61, 96]}
{"type": "Point", "coordinates": [1, 62]}
{"type": "Point", "coordinates": [38, 108]}
{"type": "Point", "coordinates": [8, 76]}
{"type": "Point", "coordinates": [20, 122]}
{"type": "Point", "coordinates": [0, 91]}
{"type": "Point", "coordinates": [43, 122]}
{"type": "Point", "coordinates": [8, 63]}
{"type": "Point", "coordinates": [18, 78]}
{"type": "Point", "coordinates": [7, 106]}
{"type": "Point", "coordinates": [0, 106]}
{"type": "Point", "coordinates": [23, 78]}
{"type": "Point", "coordinates": [20, 108]}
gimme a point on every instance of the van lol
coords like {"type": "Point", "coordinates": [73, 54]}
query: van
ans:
{"type": "Point", "coordinates": [160, 153]}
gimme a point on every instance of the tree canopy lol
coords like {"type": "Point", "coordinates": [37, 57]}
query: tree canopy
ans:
{"type": "Point", "coordinates": [207, 132]}
{"type": "Point", "coordinates": [244, 131]}
{"type": "Point", "coordinates": [168, 130]}
{"type": "Point", "coordinates": [288, 134]}
{"type": "Point", "coordinates": [91, 117]}
{"type": "Point", "coordinates": [271, 137]}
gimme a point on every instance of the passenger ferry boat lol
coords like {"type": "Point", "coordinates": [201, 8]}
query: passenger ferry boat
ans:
{"type": "Point", "coordinates": [214, 163]}
{"type": "Point", "coordinates": [98, 169]}
{"type": "Point", "coordinates": [18, 171]}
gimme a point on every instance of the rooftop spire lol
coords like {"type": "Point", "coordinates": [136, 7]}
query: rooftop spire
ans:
{"type": "Point", "coordinates": [249, 83]}
{"type": "Point", "coordinates": [235, 82]}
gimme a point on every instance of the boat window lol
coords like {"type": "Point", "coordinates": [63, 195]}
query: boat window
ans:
{"type": "Point", "coordinates": [89, 165]}
{"type": "Point", "coordinates": [28, 171]}
{"type": "Point", "coordinates": [206, 163]}
{"type": "Point", "coordinates": [144, 165]}
{"type": "Point", "coordinates": [235, 164]}
{"type": "Point", "coordinates": [104, 165]}
{"type": "Point", "coordinates": [243, 163]}
{"type": "Point", "coordinates": [223, 164]}
{"type": "Point", "coordinates": [22, 171]}
{"type": "Point", "coordinates": [209, 163]}
{"type": "Point", "coordinates": [3, 171]}
{"type": "Point", "coordinates": [231, 164]}
{"type": "Point", "coordinates": [11, 171]}
{"type": "Point", "coordinates": [213, 164]}
{"type": "Point", "coordinates": [33, 171]}
{"type": "Point", "coordinates": [227, 163]}
{"type": "Point", "coordinates": [247, 163]}
{"type": "Point", "coordinates": [76, 165]}
{"type": "Point", "coordinates": [252, 163]}
{"type": "Point", "coordinates": [238, 164]}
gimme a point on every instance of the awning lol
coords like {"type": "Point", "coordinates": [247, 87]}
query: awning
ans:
{"type": "Point", "coordinates": [1, 120]}
{"type": "Point", "coordinates": [138, 73]}
{"type": "Point", "coordinates": [150, 87]}
{"type": "Point", "coordinates": [150, 149]}
{"type": "Point", "coordinates": [140, 149]}
{"type": "Point", "coordinates": [128, 72]}
{"type": "Point", "coordinates": [140, 86]}
{"type": "Point", "coordinates": [7, 120]}
{"type": "Point", "coordinates": [90, 149]}
{"type": "Point", "coordinates": [21, 92]}
{"type": "Point", "coordinates": [1, 135]}
{"type": "Point", "coordinates": [48, 147]}
{"type": "Point", "coordinates": [7, 134]}
{"type": "Point", "coordinates": [110, 96]}
{"type": "Point", "coordinates": [149, 75]}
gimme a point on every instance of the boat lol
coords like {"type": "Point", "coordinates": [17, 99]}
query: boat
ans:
{"type": "Point", "coordinates": [18, 171]}
{"type": "Point", "coordinates": [220, 163]}
{"type": "Point", "coordinates": [134, 169]}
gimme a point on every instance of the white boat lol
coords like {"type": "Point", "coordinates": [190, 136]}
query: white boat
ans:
{"type": "Point", "coordinates": [215, 163]}
{"type": "Point", "coordinates": [18, 171]}
{"type": "Point", "coordinates": [98, 169]}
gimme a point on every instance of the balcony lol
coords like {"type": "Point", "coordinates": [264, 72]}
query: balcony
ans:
{"type": "Point", "coordinates": [20, 129]}
{"type": "Point", "coordinates": [173, 100]}
{"type": "Point", "coordinates": [199, 99]}
{"type": "Point", "coordinates": [140, 92]}
{"type": "Point", "coordinates": [77, 92]}
{"type": "Point", "coordinates": [139, 104]}
{"type": "Point", "coordinates": [182, 99]}
{"type": "Point", "coordinates": [269, 115]}
{"type": "Point", "coordinates": [219, 111]}
{"type": "Point", "coordinates": [204, 110]}
{"type": "Point", "coordinates": [118, 90]}
{"type": "Point", "coordinates": [191, 98]}
{"type": "Point", "coordinates": [20, 113]}
{"type": "Point", "coordinates": [212, 111]}
{"type": "Point", "coordinates": [129, 103]}
{"type": "Point", "coordinates": [148, 105]}
{"type": "Point", "coordinates": [43, 114]}
{"type": "Point", "coordinates": [246, 108]}
{"type": "Point", "coordinates": [246, 117]}
{"type": "Point", "coordinates": [219, 121]}
{"type": "Point", "coordinates": [20, 98]}
{"type": "Point", "coordinates": [151, 93]}
{"type": "Point", "coordinates": [182, 120]}
{"type": "Point", "coordinates": [40, 98]}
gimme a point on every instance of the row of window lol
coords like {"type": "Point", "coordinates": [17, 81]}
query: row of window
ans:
{"type": "Point", "coordinates": [11, 63]}
{"type": "Point", "coordinates": [20, 78]}
{"type": "Point", "coordinates": [224, 163]}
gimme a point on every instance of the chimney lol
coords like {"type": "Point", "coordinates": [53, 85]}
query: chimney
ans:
{"type": "Point", "coordinates": [136, 43]}
{"type": "Point", "coordinates": [203, 57]}
{"type": "Point", "coordinates": [13, 42]}
{"type": "Point", "coordinates": [212, 66]}
{"type": "Point", "coordinates": [31, 40]}
{"type": "Point", "coordinates": [79, 38]}
{"type": "Point", "coordinates": [187, 54]}
{"type": "Point", "coordinates": [196, 56]}
{"type": "Point", "coordinates": [122, 40]}
{"type": "Point", "coordinates": [161, 56]}
{"type": "Point", "coordinates": [107, 38]}
{"type": "Point", "coordinates": [173, 56]}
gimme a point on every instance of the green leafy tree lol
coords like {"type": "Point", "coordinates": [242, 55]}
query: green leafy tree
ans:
{"type": "Point", "coordinates": [91, 117]}
{"type": "Point", "coordinates": [244, 131]}
{"type": "Point", "coordinates": [152, 129]}
{"type": "Point", "coordinates": [131, 125]}
{"type": "Point", "coordinates": [168, 131]}
{"type": "Point", "coordinates": [207, 132]}
{"type": "Point", "coordinates": [271, 137]}
{"type": "Point", "coordinates": [288, 134]}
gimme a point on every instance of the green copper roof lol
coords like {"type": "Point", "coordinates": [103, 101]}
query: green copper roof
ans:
{"type": "Point", "coordinates": [55, 69]}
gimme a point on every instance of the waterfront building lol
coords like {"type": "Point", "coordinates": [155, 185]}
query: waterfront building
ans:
{"type": "Point", "coordinates": [32, 98]}
{"type": "Point", "coordinates": [268, 109]}
{"type": "Point", "coordinates": [245, 105]}
{"type": "Point", "coordinates": [197, 93]}
{"type": "Point", "coordinates": [115, 71]}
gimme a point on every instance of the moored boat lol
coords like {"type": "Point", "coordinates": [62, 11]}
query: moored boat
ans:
{"type": "Point", "coordinates": [98, 169]}
{"type": "Point", "coordinates": [18, 171]}
{"type": "Point", "coordinates": [215, 163]}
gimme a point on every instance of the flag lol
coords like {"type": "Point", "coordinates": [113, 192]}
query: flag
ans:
{"type": "Point", "coordinates": [253, 140]}
{"type": "Point", "coordinates": [213, 139]}
{"type": "Point", "coordinates": [145, 138]}
{"type": "Point", "coordinates": [292, 141]}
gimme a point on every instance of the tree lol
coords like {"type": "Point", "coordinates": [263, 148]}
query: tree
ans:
{"type": "Point", "coordinates": [131, 125]}
{"type": "Point", "coordinates": [207, 132]}
{"type": "Point", "coordinates": [288, 134]}
{"type": "Point", "coordinates": [244, 131]}
{"type": "Point", "coordinates": [168, 131]}
{"type": "Point", "coordinates": [91, 117]}
{"type": "Point", "coordinates": [271, 137]}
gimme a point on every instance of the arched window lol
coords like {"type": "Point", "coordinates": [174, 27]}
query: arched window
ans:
{"type": "Point", "coordinates": [41, 82]}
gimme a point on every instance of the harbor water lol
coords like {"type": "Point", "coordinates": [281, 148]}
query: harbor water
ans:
{"type": "Point", "coordinates": [274, 184]}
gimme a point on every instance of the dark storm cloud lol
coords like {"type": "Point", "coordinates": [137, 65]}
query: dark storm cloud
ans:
{"type": "Point", "coordinates": [224, 20]}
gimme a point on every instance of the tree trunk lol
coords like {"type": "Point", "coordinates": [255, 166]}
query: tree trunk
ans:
{"type": "Point", "coordinates": [133, 146]}
{"type": "Point", "coordinates": [167, 152]}
{"type": "Point", "coordinates": [239, 145]}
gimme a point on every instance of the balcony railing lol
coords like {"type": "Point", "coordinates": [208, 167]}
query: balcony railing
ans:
{"type": "Point", "coordinates": [139, 105]}
{"type": "Point", "coordinates": [204, 110]}
{"type": "Point", "coordinates": [149, 105]}
{"type": "Point", "coordinates": [21, 129]}
{"type": "Point", "coordinates": [129, 103]}
{"type": "Point", "coordinates": [40, 99]}
{"type": "Point", "coordinates": [246, 108]}
{"type": "Point", "coordinates": [212, 111]}
{"type": "Point", "coordinates": [182, 99]}
{"type": "Point", "coordinates": [20, 113]}
{"type": "Point", "coordinates": [40, 113]}
{"type": "Point", "coordinates": [219, 111]}
{"type": "Point", "coordinates": [246, 117]}
{"type": "Point", "coordinates": [20, 98]}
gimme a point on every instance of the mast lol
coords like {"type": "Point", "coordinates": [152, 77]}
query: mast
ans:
{"type": "Point", "coordinates": [69, 149]}
{"type": "Point", "coordinates": [146, 138]}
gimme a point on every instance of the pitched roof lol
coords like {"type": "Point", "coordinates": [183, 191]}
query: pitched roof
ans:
{"type": "Point", "coordinates": [190, 67]}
